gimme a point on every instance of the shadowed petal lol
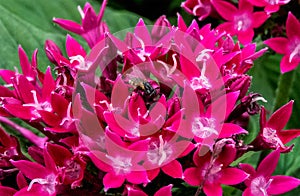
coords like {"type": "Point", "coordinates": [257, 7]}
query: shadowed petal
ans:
{"type": "Point", "coordinates": [7, 191]}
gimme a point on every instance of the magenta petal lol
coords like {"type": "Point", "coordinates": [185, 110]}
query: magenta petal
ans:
{"type": "Point", "coordinates": [5, 92]}
{"type": "Point", "coordinates": [69, 25]}
{"type": "Point", "coordinates": [7, 191]}
{"type": "Point", "coordinates": [259, 18]}
{"type": "Point", "coordinates": [230, 129]}
{"type": "Point", "coordinates": [142, 32]}
{"type": "Point", "coordinates": [24, 88]}
{"type": "Point", "coordinates": [245, 6]}
{"type": "Point", "coordinates": [173, 169]}
{"type": "Point", "coordinates": [59, 104]}
{"type": "Point", "coordinates": [286, 65]}
{"type": "Point", "coordinates": [292, 26]}
{"type": "Point", "coordinates": [25, 64]}
{"type": "Point", "coordinates": [36, 190]}
{"type": "Point", "coordinates": [268, 165]}
{"type": "Point", "coordinates": [245, 37]}
{"type": "Point", "coordinates": [137, 177]}
{"type": "Point", "coordinates": [112, 180]}
{"type": "Point", "coordinates": [133, 192]}
{"type": "Point", "coordinates": [164, 191]}
{"type": "Point", "coordinates": [96, 156]}
{"type": "Point", "coordinates": [31, 170]}
{"type": "Point", "coordinates": [247, 168]}
{"type": "Point", "coordinates": [280, 118]}
{"type": "Point", "coordinates": [247, 192]}
{"type": "Point", "coordinates": [227, 27]}
{"type": "Point", "coordinates": [192, 176]}
{"type": "Point", "coordinates": [21, 181]}
{"type": "Point", "coordinates": [231, 176]}
{"type": "Point", "coordinates": [90, 19]}
{"type": "Point", "coordinates": [212, 189]}
{"type": "Point", "coordinates": [19, 111]}
{"type": "Point", "coordinates": [225, 9]}
{"type": "Point", "coordinates": [59, 154]}
{"type": "Point", "coordinates": [7, 75]}
{"type": "Point", "coordinates": [287, 135]}
{"type": "Point", "coordinates": [181, 24]}
{"type": "Point", "coordinates": [269, 9]}
{"type": "Point", "coordinates": [282, 184]}
{"type": "Point", "coordinates": [48, 84]}
{"type": "Point", "coordinates": [278, 44]}
{"type": "Point", "coordinates": [73, 47]}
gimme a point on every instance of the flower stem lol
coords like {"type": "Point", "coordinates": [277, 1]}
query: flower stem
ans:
{"type": "Point", "coordinates": [285, 84]}
{"type": "Point", "coordinates": [38, 141]}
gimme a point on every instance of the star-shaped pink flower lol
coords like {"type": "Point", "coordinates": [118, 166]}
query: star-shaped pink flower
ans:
{"type": "Point", "coordinates": [260, 182]}
{"type": "Point", "coordinates": [272, 134]}
{"type": "Point", "coordinates": [290, 46]}
{"type": "Point", "coordinates": [241, 21]}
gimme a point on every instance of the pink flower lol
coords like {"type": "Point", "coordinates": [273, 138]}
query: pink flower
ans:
{"type": "Point", "coordinates": [92, 28]}
{"type": "Point", "coordinates": [43, 178]}
{"type": "Point", "coordinates": [121, 161]}
{"type": "Point", "coordinates": [134, 191]}
{"type": "Point", "coordinates": [270, 6]}
{"type": "Point", "coordinates": [272, 135]}
{"type": "Point", "coordinates": [207, 125]}
{"type": "Point", "coordinates": [9, 149]}
{"type": "Point", "coordinates": [290, 46]}
{"type": "Point", "coordinates": [260, 182]}
{"type": "Point", "coordinates": [199, 8]}
{"type": "Point", "coordinates": [241, 21]}
{"type": "Point", "coordinates": [213, 169]}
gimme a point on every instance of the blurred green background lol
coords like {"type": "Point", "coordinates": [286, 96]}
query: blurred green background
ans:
{"type": "Point", "coordinates": [29, 23]}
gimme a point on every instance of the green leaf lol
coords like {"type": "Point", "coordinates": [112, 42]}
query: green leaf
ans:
{"type": "Point", "coordinates": [29, 23]}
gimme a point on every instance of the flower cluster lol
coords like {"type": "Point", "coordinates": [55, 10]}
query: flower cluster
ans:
{"type": "Point", "coordinates": [144, 114]}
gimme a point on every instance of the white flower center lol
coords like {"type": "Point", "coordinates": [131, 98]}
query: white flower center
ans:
{"type": "Point", "coordinates": [141, 52]}
{"type": "Point", "coordinates": [242, 22]}
{"type": "Point", "coordinates": [203, 127]}
{"type": "Point", "coordinates": [272, 2]}
{"type": "Point", "coordinates": [259, 186]}
{"type": "Point", "coordinates": [295, 52]}
{"type": "Point", "coordinates": [271, 137]}
{"type": "Point", "coordinates": [37, 105]}
{"type": "Point", "coordinates": [159, 153]}
{"type": "Point", "coordinates": [121, 165]}
{"type": "Point", "coordinates": [211, 172]}
{"type": "Point", "coordinates": [48, 183]}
